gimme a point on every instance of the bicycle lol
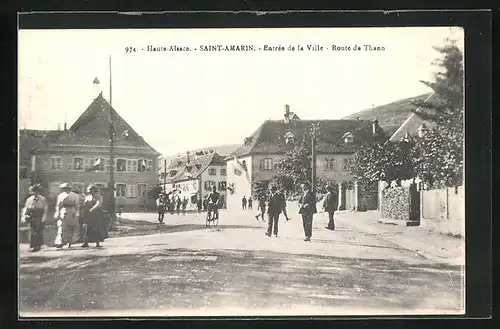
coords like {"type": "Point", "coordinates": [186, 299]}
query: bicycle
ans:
{"type": "Point", "coordinates": [212, 218]}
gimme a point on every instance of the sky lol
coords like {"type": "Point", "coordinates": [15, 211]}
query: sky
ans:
{"type": "Point", "coordinates": [179, 101]}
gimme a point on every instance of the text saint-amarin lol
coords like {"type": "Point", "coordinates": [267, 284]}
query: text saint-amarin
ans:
{"type": "Point", "coordinates": [227, 48]}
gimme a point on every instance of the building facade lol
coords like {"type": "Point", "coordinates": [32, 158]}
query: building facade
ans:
{"type": "Point", "coordinates": [80, 156]}
{"type": "Point", "coordinates": [337, 142]}
{"type": "Point", "coordinates": [193, 177]}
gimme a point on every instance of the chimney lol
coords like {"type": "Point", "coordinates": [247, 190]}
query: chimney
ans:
{"type": "Point", "coordinates": [286, 117]}
{"type": "Point", "coordinates": [65, 126]}
{"type": "Point", "coordinates": [375, 127]}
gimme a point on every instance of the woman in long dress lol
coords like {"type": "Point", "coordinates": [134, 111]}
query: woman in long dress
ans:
{"type": "Point", "coordinates": [95, 226]}
{"type": "Point", "coordinates": [35, 213]}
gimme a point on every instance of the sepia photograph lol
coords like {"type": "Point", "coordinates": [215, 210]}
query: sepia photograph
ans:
{"type": "Point", "coordinates": [241, 172]}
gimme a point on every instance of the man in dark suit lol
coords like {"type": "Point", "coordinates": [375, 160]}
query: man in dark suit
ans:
{"type": "Point", "coordinates": [275, 205]}
{"type": "Point", "coordinates": [307, 208]}
{"type": "Point", "coordinates": [330, 204]}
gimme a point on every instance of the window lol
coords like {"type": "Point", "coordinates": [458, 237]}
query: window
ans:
{"type": "Point", "coordinates": [55, 163]}
{"type": "Point", "coordinates": [142, 165]}
{"type": "Point", "coordinates": [348, 137]}
{"type": "Point", "coordinates": [121, 165]}
{"type": "Point", "coordinates": [98, 164]}
{"type": "Point", "coordinates": [142, 190]}
{"type": "Point", "coordinates": [131, 191]}
{"type": "Point", "coordinates": [212, 172]}
{"type": "Point", "coordinates": [100, 186]}
{"type": "Point", "coordinates": [346, 164]}
{"type": "Point", "coordinates": [244, 164]}
{"type": "Point", "coordinates": [289, 138]}
{"type": "Point", "coordinates": [208, 185]}
{"type": "Point", "coordinates": [266, 164]}
{"type": "Point", "coordinates": [222, 186]}
{"type": "Point", "coordinates": [223, 172]}
{"type": "Point", "coordinates": [78, 163]}
{"type": "Point", "coordinates": [149, 166]}
{"type": "Point", "coordinates": [121, 190]}
{"type": "Point", "coordinates": [331, 164]}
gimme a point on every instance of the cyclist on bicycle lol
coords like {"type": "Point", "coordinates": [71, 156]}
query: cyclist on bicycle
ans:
{"type": "Point", "coordinates": [213, 201]}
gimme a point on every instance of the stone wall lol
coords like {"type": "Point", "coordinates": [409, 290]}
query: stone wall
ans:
{"type": "Point", "coordinates": [395, 204]}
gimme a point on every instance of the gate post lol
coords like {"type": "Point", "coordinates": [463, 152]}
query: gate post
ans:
{"type": "Point", "coordinates": [342, 196]}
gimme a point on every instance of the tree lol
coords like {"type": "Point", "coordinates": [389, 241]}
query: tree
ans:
{"type": "Point", "coordinates": [383, 160]}
{"type": "Point", "coordinates": [440, 161]}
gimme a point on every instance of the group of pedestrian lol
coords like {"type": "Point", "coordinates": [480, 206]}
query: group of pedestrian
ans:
{"type": "Point", "coordinates": [275, 203]}
{"type": "Point", "coordinates": [246, 203]}
{"type": "Point", "coordinates": [79, 218]}
{"type": "Point", "coordinates": [167, 202]}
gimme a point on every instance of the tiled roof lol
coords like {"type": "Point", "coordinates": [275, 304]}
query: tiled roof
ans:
{"type": "Point", "coordinates": [93, 126]}
{"type": "Point", "coordinates": [198, 165]}
{"type": "Point", "coordinates": [30, 140]}
{"type": "Point", "coordinates": [269, 137]}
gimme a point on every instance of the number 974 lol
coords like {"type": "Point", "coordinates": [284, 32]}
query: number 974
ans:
{"type": "Point", "coordinates": [129, 50]}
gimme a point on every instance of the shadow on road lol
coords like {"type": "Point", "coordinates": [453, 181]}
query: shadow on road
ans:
{"type": "Point", "coordinates": [182, 278]}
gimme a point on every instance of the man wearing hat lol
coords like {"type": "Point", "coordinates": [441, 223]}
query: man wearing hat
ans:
{"type": "Point", "coordinates": [275, 205]}
{"type": "Point", "coordinates": [307, 208]}
{"type": "Point", "coordinates": [330, 204]}
{"type": "Point", "coordinates": [67, 215]}
{"type": "Point", "coordinates": [160, 202]}
{"type": "Point", "coordinates": [35, 213]}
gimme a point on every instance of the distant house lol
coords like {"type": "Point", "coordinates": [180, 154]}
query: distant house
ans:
{"type": "Point", "coordinates": [80, 155]}
{"type": "Point", "coordinates": [338, 141]}
{"type": "Point", "coordinates": [193, 176]}
{"type": "Point", "coordinates": [413, 126]}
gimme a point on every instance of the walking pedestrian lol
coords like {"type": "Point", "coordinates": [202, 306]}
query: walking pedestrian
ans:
{"type": "Point", "coordinates": [307, 208]}
{"type": "Point", "coordinates": [67, 214]}
{"type": "Point", "coordinates": [178, 205]}
{"type": "Point", "coordinates": [35, 213]}
{"type": "Point", "coordinates": [274, 209]}
{"type": "Point", "coordinates": [81, 230]}
{"type": "Point", "coordinates": [161, 204]}
{"type": "Point", "coordinates": [250, 202]}
{"type": "Point", "coordinates": [184, 205]}
{"type": "Point", "coordinates": [95, 225]}
{"type": "Point", "coordinates": [330, 204]}
{"type": "Point", "coordinates": [284, 206]}
{"type": "Point", "coordinates": [262, 207]}
{"type": "Point", "coordinates": [244, 203]}
{"type": "Point", "coordinates": [199, 203]}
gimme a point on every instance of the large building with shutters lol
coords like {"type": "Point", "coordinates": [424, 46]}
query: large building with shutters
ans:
{"type": "Point", "coordinates": [337, 143]}
{"type": "Point", "coordinates": [80, 156]}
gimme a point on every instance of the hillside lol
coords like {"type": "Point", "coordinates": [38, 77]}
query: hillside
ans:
{"type": "Point", "coordinates": [223, 150]}
{"type": "Point", "coordinates": [389, 116]}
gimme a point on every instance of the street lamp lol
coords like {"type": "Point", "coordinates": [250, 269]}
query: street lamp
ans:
{"type": "Point", "coordinates": [314, 134]}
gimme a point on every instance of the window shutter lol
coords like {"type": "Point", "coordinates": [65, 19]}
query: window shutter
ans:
{"type": "Point", "coordinates": [261, 164]}
{"type": "Point", "coordinates": [86, 162]}
{"type": "Point", "coordinates": [70, 164]}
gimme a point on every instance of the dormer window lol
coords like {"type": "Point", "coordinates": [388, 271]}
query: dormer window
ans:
{"type": "Point", "coordinates": [179, 162]}
{"type": "Point", "coordinates": [173, 173]}
{"type": "Point", "coordinates": [289, 138]}
{"type": "Point", "coordinates": [197, 166]}
{"type": "Point", "coordinates": [247, 141]}
{"type": "Point", "coordinates": [348, 137]}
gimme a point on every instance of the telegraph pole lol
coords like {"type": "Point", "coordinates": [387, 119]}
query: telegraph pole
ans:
{"type": "Point", "coordinates": [165, 176]}
{"type": "Point", "coordinates": [111, 185]}
{"type": "Point", "coordinates": [314, 133]}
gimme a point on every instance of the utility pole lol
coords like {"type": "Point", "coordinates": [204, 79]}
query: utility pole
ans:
{"type": "Point", "coordinates": [314, 134]}
{"type": "Point", "coordinates": [111, 185]}
{"type": "Point", "coordinates": [165, 176]}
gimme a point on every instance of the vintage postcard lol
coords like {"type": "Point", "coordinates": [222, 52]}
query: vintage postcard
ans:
{"type": "Point", "coordinates": [241, 172]}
